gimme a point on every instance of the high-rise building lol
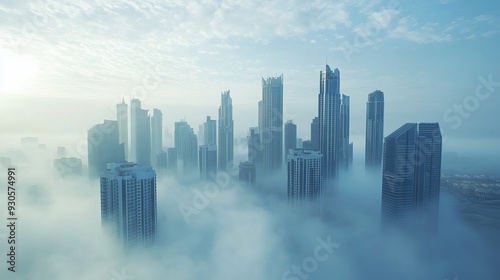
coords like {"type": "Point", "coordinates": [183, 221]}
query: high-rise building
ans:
{"type": "Point", "coordinates": [329, 121]}
{"type": "Point", "coordinates": [304, 179]}
{"type": "Point", "coordinates": [308, 145]}
{"type": "Point", "coordinates": [411, 178]}
{"type": "Point", "coordinates": [429, 183]}
{"type": "Point", "coordinates": [299, 143]}
{"type": "Point", "coordinates": [247, 173]}
{"type": "Point", "coordinates": [122, 119]}
{"type": "Point", "coordinates": [135, 105]}
{"type": "Point", "coordinates": [255, 148]}
{"type": "Point", "coordinates": [290, 137]}
{"type": "Point", "coordinates": [374, 130]}
{"type": "Point", "coordinates": [201, 133]}
{"type": "Point", "coordinates": [128, 204]}
{"type": "Point", "coordinates": [186, 144]}
{"type": "Point", "coordinates": [156, 136]}
{"type": "Point", "coordinates": [209, 132]}
{"type": "Point", "coordinates": [103, 147]}
{"type": "Point", "coordinates": [345, 157]}
{"type": "Point", "coordinates": [315, 134]}
{"type": "Point", "coordinates": [226, 123]}
{"type": "Point", "coordinates": [208, 162]}
{"type": "Point", "coordinates": [271, 125]}
{"type": "Point", "coordinates": [140, 133]}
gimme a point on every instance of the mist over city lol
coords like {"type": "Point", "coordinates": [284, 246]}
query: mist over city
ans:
{"type": "Point", "coordinates": [249, 140]}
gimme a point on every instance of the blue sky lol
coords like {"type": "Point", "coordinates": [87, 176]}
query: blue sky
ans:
{"type": "Point", "coordinates": [65, 64]}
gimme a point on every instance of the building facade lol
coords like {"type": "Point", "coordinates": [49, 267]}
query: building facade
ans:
{"type": "Point", "coordinates": [290, 137]}
{"type": "Point", "coordinates": [329, 121]}
{"type": "Point", "coordinates": [128, 204]}
{"type": "Point", "coordinates": [226, 131]}
{"type": "Point", "coordinates": [186, 144]}
{"type": "Point", "coordinates": [271, 125]}
{"type": "Point", "coordinates": [208, 161]}
{"type": "Point", "coordinates": [304, 179]}
{"type": "Point", "coordinates": [156, 137]}
{"type": "Point", "coordinates": [247, 173]}
{"type": "Point", "coordinates": [374, 130]}
{"type": "Point", "coordinates": [122, 118]}
{"type": "Point", "coordinates": [140, 133]}
{"type": "Point", "coordinates": [346, 147]}
{"type": "Point", "coordinates": [103, 146]}
{"type": "Point", "coordinates": [411, 178]}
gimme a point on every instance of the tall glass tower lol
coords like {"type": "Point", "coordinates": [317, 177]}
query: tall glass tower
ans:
{"type": "Point", "coordinates": [411, 178]}
{"type": "Point", "coordinates": [290, 137]}
{"type": "Point", "coordinates": [140, 133]}
{"type": "Point", "coordinates": [186, 144]}
{"type": "Point", "coordinates": [374, 130]}
{"type": "Point", "coordinates": [225, 146]}
{"type": "Point", "coordinates": [346, 147]}
{"type": "Point", "coordinates": [329, 121]}
{"type": "Point", "coordinates": [156, 136]}
{"type": "Point", "coordinates": [271, 125]}
{"type": "Point", "coordinates": [122, 118]}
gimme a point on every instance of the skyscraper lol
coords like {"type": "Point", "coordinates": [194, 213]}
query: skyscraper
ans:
{"type": "Point", "coordinates": [290, 137]}
{"type": "Point", "coordinates": [429, 183]}
{"type": "Point", "coordinates": [299, 143]}
{"type": "Point", "coordinates": [208, 161]}
{"type": "Point", "coordinates": [209, 132]}
{"type": "Point", "coordinates": [156, 136]}
{"type": "Point", "coordinates": [226, 123]}
{"type": "Point", "coordinates": [255, 149]}
{"type": "Point", "coordinates": [329, 121]}
{"type": "Point", "coordinates": [186, 144]}
{"type": "Point", "coordinates": [315, 134]}
{"type": "Point", "coordinates": [374, 129]}
{"type": "Point", "coordinates": [247, 173]}
{"type": "Point", "coordinates": [122, 118]}
{"type": "Point", "coordinates": [103, 147]}
{"type": "Point", "coordinates": [345, 157]}
{"type": "Point", "coordinates": [411, 178]}
{"type": "Point", "coordinates": [128, 204]}
{"type": "Point", "coordinates": [140, 133]}
{"type": "Point", "coordinates": [304, 179]}
{"type": "Point", "coordinates": [201, 133]}
{"type": "Point", "coordinates": [271, 125]}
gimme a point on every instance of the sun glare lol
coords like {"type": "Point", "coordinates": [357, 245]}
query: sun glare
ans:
{"type": "Point", "coordinates": [16, 71]}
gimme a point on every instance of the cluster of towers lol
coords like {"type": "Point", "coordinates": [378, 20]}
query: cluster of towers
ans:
{"type": "Point", "coordinates": [411, 158]}
{"type": "Point", "coordinates": [126, 163]}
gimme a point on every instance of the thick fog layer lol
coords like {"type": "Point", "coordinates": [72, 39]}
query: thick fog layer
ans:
{"type": "Point", "coordinates": [227, 231]}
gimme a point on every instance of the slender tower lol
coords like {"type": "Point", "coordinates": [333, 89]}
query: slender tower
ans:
{"type": "Point", "coordinates": [122, 118]}
{"type": "Point", "coordinates": [290, 137]}
{"type": "Point", "coordinates": [226, 123]}
{"type": "Point", "coordinates": [411, 178]}
{"type": "Point", "coordinates": [329, 121]}
{"type": "Point", "coordinates": [156, 136]}
{"type": "Point", "coordinates": [271, 125]}
{"type": "Point", "coordinates": [374, 130]}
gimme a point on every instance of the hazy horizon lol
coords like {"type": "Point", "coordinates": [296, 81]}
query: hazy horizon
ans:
{"type": "Point", "coordinates": [65, 65]}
